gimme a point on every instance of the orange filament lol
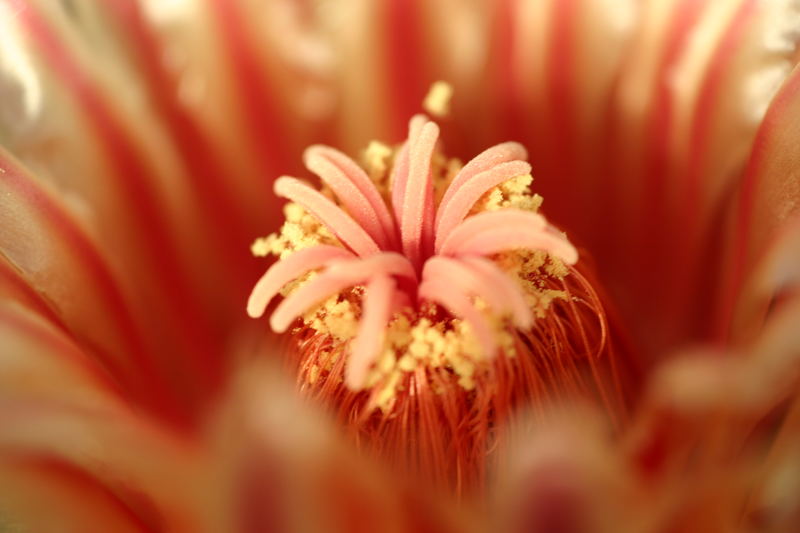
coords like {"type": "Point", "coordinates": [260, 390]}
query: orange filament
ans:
{"type": "Point", "coordinates": [451, 436]}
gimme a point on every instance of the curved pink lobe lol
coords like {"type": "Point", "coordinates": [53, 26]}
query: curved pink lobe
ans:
{"type": "Point", "coordinates": [327, 212]}
{"type": "Point", "coordinates": [355, 191]}
{"type": "Point", "coordinates": [441, 291]}
{"type": "Point", "coordinates": [388, 262]}
{"type": "Point", "coordinates": [502, 239]}
{"type": "Point", "coordinates": [491, 276]}
{"type": "Point", "coordinates": [339, 275]}
{"type": "Point", "coordinates": [486, 221]}
{"type": "Point", "coordinates": [489, 158]}
{"type": "Point", "coordinates": [417, 190]}
{"type": "Point", "coordinates": [464, 197]}
{"type": "Point", "coordinates": [288, 269]}
{"type": "Point", "coordinates": [400, 170]}
{"type": "Point", "coordinates": [463, 277]}
{"type": "Point", "coordinates": [398, 181]}
{"type": "Point", "coordinates": [366, 186]}
{"type": "Point", "coordinates": [429, 217]}
{"type": "Point", "coordinates": [366, 346]}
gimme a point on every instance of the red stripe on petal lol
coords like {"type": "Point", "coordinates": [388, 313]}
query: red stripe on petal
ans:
{"type": "Point", "coordinates": [405, 68]}
{"type": "Point", "coordinates": [123, 347]}
{"type": "Point", "coordinates": [133, 178]}
{"type": "Point", "coordinates": [257, 98]}
{"type": "Point", "coordinates": [203, 160]}
{"type": "Point", "coordinates": [13, 286]}
{"type": "Point", "coordinates": [766, 195]}
{"type": "Point", "coordinates": [60, 345]}
{"type": "Point", "coordinates": [560, 71]}
{"type": "Point", "coordinates": [690, 225]}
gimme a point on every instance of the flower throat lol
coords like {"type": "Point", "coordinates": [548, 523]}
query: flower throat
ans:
{"type": "Point", "coordinates": [427, 299]}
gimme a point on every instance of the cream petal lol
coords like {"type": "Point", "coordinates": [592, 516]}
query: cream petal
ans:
{"type": "Point", "coordinates": [761, 237]}
{"type": "Point", "coordinates": [279, 459]}
{"type": "Point", "coordinates": [102, 145]}
{"type": "Point", "coordinates": [67, 432]}
{"type": "Point", "coordinates": [51, 251]}
{"type": "Point", "coordinates": [563, 473]}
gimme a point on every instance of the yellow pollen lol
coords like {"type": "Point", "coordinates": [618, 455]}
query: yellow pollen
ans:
{"type": "Point", "coordinates": [437, 101]}
{"type": "Point", "coordinates": [376, 159]}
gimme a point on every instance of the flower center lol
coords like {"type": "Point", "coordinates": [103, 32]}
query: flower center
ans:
{"type": "Point", "coordinates": [418, 279]}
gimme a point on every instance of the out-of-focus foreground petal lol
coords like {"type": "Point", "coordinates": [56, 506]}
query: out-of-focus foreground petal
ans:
{"type": "Point", "coordinates": [716, 432]}
{"type": "Point", "coordinates": [284, 468]}
{"type": "Point", "coordinates": [72, 453]}
{"type": "Point", "coordinates": [713, 448]}
{"type": "Point", "coordinates": [563, 474]}
{"type": "Point", "coordinates": [161, 125]}
{"type": "Point", "coordinates": [48, 259]}
{"type": "Point", "coordinates": [763, 251]}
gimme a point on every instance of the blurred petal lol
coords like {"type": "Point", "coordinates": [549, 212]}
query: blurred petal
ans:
{"type": "Point", "coordinates": [763, 218]}
{"type": "Point", "coordinates": [51, 250]}
{"type": "Point", "coordinates": [284, 468]}
{"type": "Point", "coordinates": [65, 436]}
{"type": "Point", "coordinates": [564, 475]}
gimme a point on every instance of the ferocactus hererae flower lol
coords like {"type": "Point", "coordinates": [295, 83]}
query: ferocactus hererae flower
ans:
{"type": "Point", "coordinates": [650, 387]}
{"type": "Point", "coordinates": [446, 304]}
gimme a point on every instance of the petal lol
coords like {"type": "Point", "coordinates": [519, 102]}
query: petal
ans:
{"type": "Point", "coordinates": [562, 473]}
{"type": "Point", "coordinates": [281, 458]}
{"type": "Point", "coordinates": [109, 152]}
{"type": "Point", "coordinates": [768, 199]}
{"type": "Point", "coordinates": [52, 251]}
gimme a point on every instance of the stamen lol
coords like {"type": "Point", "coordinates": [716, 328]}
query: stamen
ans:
{"type": "Point", "coordinates": [430, 315]}
{"type": "Point", "coordinates": [440, 291]}
{"type": "Point", "coordinates": [437, 101]}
